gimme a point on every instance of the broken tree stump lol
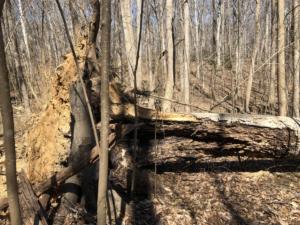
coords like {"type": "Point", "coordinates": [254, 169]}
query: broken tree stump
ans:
{"type": "Point", "coordinates": [57, 179]}
{"type": "Point", "coordinates": [32, 211]}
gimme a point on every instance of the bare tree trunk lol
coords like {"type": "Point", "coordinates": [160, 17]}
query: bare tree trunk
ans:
{"type": "Point", "coordinates": [186, 54]}
{"type": "Point", "coordinates": [267, 46]}
{"type": "Point", "coordinates": [218, 31]}
{"type": "Point", "coordinates": [105, 71]}
{"type": "Point", "coordinates": [282, 91]}
{"type": "Point", "coordinates": [296, 58]}
{"type": "Point", "coordinates": [24, 30]}
{"type": "Point", "coordinates": [93, 31]}
{"type": "Point", "coordinates": [27, 49]}
{"type": "Point", "coordinates": [151, 78]}
{"type": "Point", "coordinates": [139, 77]}
{"type": "Point", "coordinates": [197, 42]}
{"type": "Point", "coordinates": [21, 76]}
{"type": "Point", "coordinates": [9, 139]}
{"type": "Point", "coordinates": [235, 83]}
{"type": "Point", "coordinates": [271, 100]}
{"type": "Point", "coordinates": [254, 54]}
{"type": "Point", "coordinates": [129, 37]}
{"type": "Point", "coordinates": [163, 49]}
{"type": "Point", "coordinates": [170, 78]}
{"type": "Point", "coordinates": [202, 42]}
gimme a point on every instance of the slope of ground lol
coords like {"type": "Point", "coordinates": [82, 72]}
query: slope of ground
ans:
{"type": "Point", "coordinates": [228, 198]}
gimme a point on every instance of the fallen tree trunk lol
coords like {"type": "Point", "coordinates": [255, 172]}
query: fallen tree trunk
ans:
{"type": "Point", "coordinates": [215, 134]}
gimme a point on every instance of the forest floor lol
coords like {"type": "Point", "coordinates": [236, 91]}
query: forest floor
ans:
{"type": "Point", "coordinates": [220, 192]}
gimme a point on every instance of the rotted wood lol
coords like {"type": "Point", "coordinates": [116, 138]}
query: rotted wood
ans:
{"type": "Point", "coordinates": [217, 134]}
{"type": "Point", "coordinates": [195, 141]}
{"type": "Point", "coordinates": [32, 211]}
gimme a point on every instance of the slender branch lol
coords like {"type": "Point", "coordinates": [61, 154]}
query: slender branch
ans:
{"type": "Point", "coordinates": [136, 121]}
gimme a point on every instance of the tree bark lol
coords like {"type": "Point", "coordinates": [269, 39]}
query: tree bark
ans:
{"type": "Point", "coordinates": [195, 135]}
{"type": "Point", "coordinates": [22, 80]}
{"type": "Point", "coordinates": [75, 20]}
{"type": "Point", "coordinates": [169, 39]}
{"type": "Point", "coordinates": [197, 15]}
{"type": "Point", "coordinates": [105, 71]}
{"type": "Point", "coordinates": [93, 32]}
{"type": "Point", "coordinates": [219, 19]}
{"type": "Point", "coordinates": [9, 139]}
{"type": "Point", "coordinates": [128, 39]}
{"type": "Point", "coordinates": [254, 54]}
{"type": "Point", "coordinates": [187, 62]}
{"type": "Point", "coordinates": [296, 93]}
{"type": "Point", "coordinates": [271, 99]}
{"type": "Point", "coordinates": [139, 72]}
{"type": "Point", "coordinates": [282, 89]}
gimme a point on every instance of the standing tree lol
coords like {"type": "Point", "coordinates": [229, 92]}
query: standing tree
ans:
{"type": "Point", "coordinates": [9, 139]}
{"type": "Point", "coordinates": [254, 54]}
{"type": "Point", "coordinates": [105, 71]}
{"type": "Point", "coordinates": [296, 98]}
{"type": "Point", "coordinates": [282, 91]}
{"type": "Point", "coordinates": [271, 100]}
{"type": "Point", "coordinates": [169, 39]}
{"type": "Point", "coordinates": [186, 54]}
{"type": "Point", "coordinates": [217, 34]}
{"type": "Point", "coordinates": [129, 40]}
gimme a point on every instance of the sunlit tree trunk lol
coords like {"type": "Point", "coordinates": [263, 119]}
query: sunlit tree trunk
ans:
{"type": "Point", "coordinates": [170, 77]}
{"type": "Point", "coordinates": [235, 80]}
{"type": "Point", "coordinates": [162, 32]}
{"type": "Point", "coordinates": [186, 54]}
{"type": "Point", "coordinates": [219, 11]}
{"type": "Point", "coordinates": [139, 73]}
{"type": "Point", "coordinates": [151, 78]}
{"type": "Point", "coordinates": [197, 44]}
{"type": "Point", "coordinates": [296, 98]}
{"type": "Point", "coordinates": [282, 89]}
{"type": "Point", "coordinates": [129, 37]}
{"type": "Point", "coordinates": [254, 55]}
{"type": "Point", "coordinates": [9, 139]}
{"type": "Point", "coordinates": [271, 100]}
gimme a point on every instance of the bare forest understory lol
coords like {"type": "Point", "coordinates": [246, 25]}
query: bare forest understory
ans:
{"type": "Point", "coordinates": [198, 168]}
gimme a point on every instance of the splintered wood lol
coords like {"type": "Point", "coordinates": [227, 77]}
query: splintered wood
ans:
{"type": "Point", "coordinates": [32, 212]}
